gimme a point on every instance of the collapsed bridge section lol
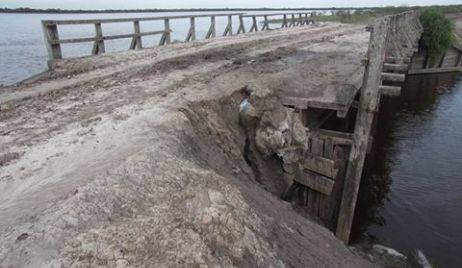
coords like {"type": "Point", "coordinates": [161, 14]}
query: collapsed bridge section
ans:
{"type": "Point", "coordinates": [323, 169]}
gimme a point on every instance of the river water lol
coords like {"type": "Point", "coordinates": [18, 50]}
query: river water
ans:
{"type": "Point", "coordinates": [411, 191]}
{"type": "Point", "coordinates": [22, 47]}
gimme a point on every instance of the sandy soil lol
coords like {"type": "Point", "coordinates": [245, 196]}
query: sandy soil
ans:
{"type": "Point", "coordinates": [136, 159]}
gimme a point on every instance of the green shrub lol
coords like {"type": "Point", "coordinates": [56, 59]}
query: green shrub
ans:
{"type": "Point", "coordinates": [438, 33]}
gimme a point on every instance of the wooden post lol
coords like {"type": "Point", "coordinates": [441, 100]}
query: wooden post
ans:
{"type": "Point", "coordinates": [284, 21]}
{"type": "Point", "coordinates": [98, 45]}
{"type": "Point", "coordinates": [51, 34]}
{"type": "Point", "coordinates": [292, 21]}
{"type": "Point", "coordinates": [166, 38]}
{"type": "Point", "coordinates": [192, 30]}
{"type": "Point", "coordinates": [229, 27]}
{"type": "Point", "coordinates": [136, 40]}
{"type": "Point", "coordinates": [212, 31]}
{"type": "Point", "coordinates": [254, 24]}
{"type": "Point", "coordinates": [241, 25]}
{"type": "Point", "coordinates": [369, 101]}
{"type": "Point", "coordinates": [265, 23]}
{"type": "Point", "coordinates": [300, 22]}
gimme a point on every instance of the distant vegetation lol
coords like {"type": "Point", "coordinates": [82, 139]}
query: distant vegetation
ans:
{"type": "Point", "coordinates": [364, 16]}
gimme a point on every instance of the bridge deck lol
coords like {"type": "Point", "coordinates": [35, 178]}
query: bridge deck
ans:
{"type": "Point", "coordinates": [320, 65]}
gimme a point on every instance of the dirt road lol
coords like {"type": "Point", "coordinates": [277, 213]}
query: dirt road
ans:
{"type": "Point", "coordinates": [136, 159]}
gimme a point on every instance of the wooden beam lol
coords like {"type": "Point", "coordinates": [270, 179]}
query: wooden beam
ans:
{"type": "Point", "coordinates": [50, 31]}
{"type": "Point", "coordinates": [390, 90]}
{"type": "Point", "coordinates": [118, 20]}
{"type": "Point", "coordinates": [254, 26]}
{"type": "Point", "coordinates": [191, 36]}
{"type": "Point", "coordinates": [397, 60]}
{"type": "Point", "coordinates": [265, 23]}
{"type": "Point", "coordinates": [98, 45]}
{"type": "Point", "coordinates": [395, 77]}
{"type": "Point", "coordinates": [284, 21]}
{"type": "Point", "coordinates": [229, 27]}
{"type": "Point", "coordinates": [369, 101]}
{"type": "Point", "coordinates": [166, 38]}
{"type": "Point", "coordinates": [212, 32]}
{"type": "Point", "coordinates": [136, 40]}
{"type": "Point", "coordinates": [400, 67]}
{"type": "Point", "coordinates": [316, 182]}
{"type": "Point", "coordinates": [320, 165]}
{"type": "Point", "coordinates": [241, 28]}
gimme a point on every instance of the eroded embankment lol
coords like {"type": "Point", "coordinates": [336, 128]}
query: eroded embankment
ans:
{"type": "Point", "coordinates": [133, 165]}
{"type": "Point", "coordinates": [188, 198]}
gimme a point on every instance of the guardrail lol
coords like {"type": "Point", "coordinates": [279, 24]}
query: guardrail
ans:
{"type": "Point", "coordinates": [53, 41]}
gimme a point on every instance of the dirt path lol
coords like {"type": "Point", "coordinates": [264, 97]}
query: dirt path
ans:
{"type": "Point", "coordinates": [108, 162]}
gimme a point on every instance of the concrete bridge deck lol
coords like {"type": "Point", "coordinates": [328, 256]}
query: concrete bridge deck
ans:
{"type": "Point", "coordinates": [101, 159]}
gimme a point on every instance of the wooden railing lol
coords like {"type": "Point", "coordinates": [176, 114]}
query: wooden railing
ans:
{"type": "Point", "coordinates": [53, 41]}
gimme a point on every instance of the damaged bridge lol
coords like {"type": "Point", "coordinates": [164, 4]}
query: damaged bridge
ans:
{"type": "Point", "coordinates": [191, 150]}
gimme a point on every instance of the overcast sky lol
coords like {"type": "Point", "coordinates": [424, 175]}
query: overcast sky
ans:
{"type": "Point", "coordinates": [129, 4]}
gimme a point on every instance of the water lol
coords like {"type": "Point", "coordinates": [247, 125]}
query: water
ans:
{"type": "Point", "coordinates": [23, 52]}
{"type": "Point", "coordinates": [411, 193]}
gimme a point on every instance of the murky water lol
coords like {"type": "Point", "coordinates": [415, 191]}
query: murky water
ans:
{"type": "Point", "coordinates": [23, 52]}
{"type": "Point", "coordinates": [411, 192]}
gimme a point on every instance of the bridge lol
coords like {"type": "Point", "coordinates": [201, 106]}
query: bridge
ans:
{"type": "Point", "coordinates": [286, 110]}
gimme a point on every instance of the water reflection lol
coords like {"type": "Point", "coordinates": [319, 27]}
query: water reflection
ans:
{"type": "Point", "coordinates": [410, 191]}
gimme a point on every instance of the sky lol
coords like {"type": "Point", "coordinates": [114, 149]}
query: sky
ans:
{"type": "Point", "coordinates": [145, 4]}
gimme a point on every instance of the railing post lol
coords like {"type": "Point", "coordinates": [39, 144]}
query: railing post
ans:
{"type": "Point", "coordinates": [166, 38]}
{"type": "Point", "coordinates": [241, 25]}
{"type": "Point", "coordinates": [292, 20]}
{"type": "Point", "coordinates": [136, 40]}
{"type": "Point", "coordinates": [284, 21]}
{"type": "Point", "coordinates": [98, 45]}
{"type": "Point", "coordinates": [212, 31]}
{"type": "Point", "coordinates": [254, 24]}
{"type": "Point", "coordinates": [192, 30]}
{"type": "Point", "coordinates": [50, 32]}
{"type": "Point", "coordinates": [265, 23]}
{"type": "Point", "coordinates": [229, 27]}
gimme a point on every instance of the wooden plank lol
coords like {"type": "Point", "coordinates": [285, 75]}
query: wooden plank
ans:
{"type": "Point", "coordinates": [395, 77]}
{"type": "Point", "coordinates": [390, 90]}
{"type": "Point", "coordinates": [109, 37]}
{"type": "Point", "coordinates": [369, 98]}
{"type": "Point", "coordinates": [337, 137]}
{"type": "Point", "coordinates": [320, 165]}
{"type": "Point", "coordinates": [316, 182]}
